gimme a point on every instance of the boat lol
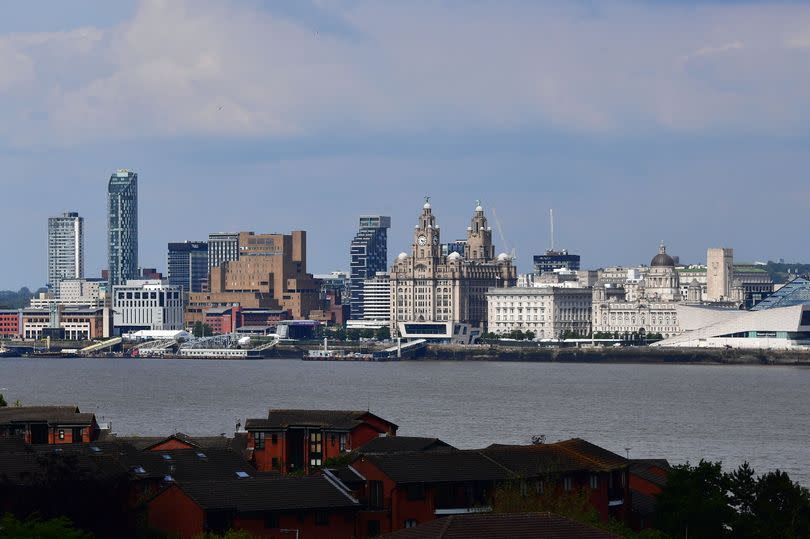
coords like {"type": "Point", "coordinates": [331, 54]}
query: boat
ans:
{"type": "Point", "coordinates": [326, 354]}
{"type": "Point", "coordinates": [7, 352]}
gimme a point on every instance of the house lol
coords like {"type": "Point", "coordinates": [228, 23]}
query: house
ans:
{"type": "Point", "coordinates": [180, 440]}
{"type": "Point", "coordinates": [272, 507]}
{"type": "Point", "coordinates": [402, 490]}
{"type": "Point", "coordinates": [400, 444]}
{"type": "Point", "coordinates": [571, 466]}
{"type": "Point", "coordinates": [295, 440]}
{"type": "Point", "coordinates": [502, 526]}
{"type": "Point", "coordinates": [48, 424]}
{"type": "Point", "coordinates": [647, 479]}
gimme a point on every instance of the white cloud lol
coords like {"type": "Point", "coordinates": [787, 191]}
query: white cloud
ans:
{"type": "Point", "coordinates": [208, 67]}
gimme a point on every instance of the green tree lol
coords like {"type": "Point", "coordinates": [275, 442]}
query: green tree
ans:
{"type": "Point", "coordinates": [782, 507]}
{"type": "Point", "coordinates": [3, 402]}
{"type": "Point", "coordinates": [202, 330]}
{"type": "Point", "coordinates": [530, 335]}
{"type": "Point", "coordinates": [696, 502]}
{"type": "Point", "coordinates": [383, 333]}
{"type": "Point", "coordinates": [742, 484]}
{"type": "Point", "coordinates": [36, 528]}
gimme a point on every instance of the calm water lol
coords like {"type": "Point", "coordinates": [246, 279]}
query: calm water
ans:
{"type": "Point", "coordinates": [679, 412]}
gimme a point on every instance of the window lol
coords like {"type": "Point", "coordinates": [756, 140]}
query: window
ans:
{"type": "Point", "coordinates": [274, 438]}
{"type": "Point", "coordinates": [567, 484]}
{"type": "Point", "coordinates": [375, 494]}
{"type": "Point", "coordinates": [258, 440]}
{"type": "Point", "coordinates": [61, 434]}
{"type": "Point", "coordinates": [315, 449]}
{"type": "Point", "coordinates": [274, 463]}
{"type": "Point", "coordinates": [373, 529]}
{"type": "Point", "coordinates": [594, 481]}
{"type": "Point", "coordinates": [321, 518]}
{"type": "Point", "coordinates": [410, 522]}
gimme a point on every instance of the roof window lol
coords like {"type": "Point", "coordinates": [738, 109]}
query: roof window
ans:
{"type": "Point", "coordinates": [166, 456]}
{"type": "Point", "coordinates": [242, 475]}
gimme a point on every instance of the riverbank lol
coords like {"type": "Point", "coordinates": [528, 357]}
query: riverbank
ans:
{"type": "Point", "coordinates": [625, 354]}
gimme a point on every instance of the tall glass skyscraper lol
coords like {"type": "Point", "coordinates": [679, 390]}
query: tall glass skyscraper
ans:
{"type": "Point", "coordinates": [65, 249]}
{"type": "Point", "coordinates": [368, 255]}
{"type": "Point", "coordinates": [122, 227]}
{"type": "Point", "coordinates": [187, 263]}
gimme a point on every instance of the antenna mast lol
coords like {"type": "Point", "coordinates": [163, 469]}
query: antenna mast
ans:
{"type": "Point", "coordinates": [551, 218]}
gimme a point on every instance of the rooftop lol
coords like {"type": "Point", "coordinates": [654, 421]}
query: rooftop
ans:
{"type": "Point", "coordinates": [52, 415]}
{"type": "Point", "coordinates": [325, 419]}
{"type": "Point", "coordinates": [399, 444]}
{"type": "Point", "coordinates": [438, 466]}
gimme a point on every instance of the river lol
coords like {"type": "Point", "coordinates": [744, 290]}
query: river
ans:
{"type": "Point", "coordinates": [678, 412]}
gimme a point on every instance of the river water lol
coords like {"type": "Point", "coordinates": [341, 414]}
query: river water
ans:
{"type": "Point", "coordinates": [679, 412]}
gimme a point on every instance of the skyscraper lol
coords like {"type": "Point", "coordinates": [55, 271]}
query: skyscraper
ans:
{"type": "Point", "coordinates": [368, 255]}
{"type": "Point", "coordinates": [65, 249]}
{"type": "Point", "coordinates": [222, 247]}
{"type": "Point", "coordinates": [122, 226]}
{"type": "Point", "coordinates": [187, 264]}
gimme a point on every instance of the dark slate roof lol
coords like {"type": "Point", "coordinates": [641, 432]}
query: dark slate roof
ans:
{"type": "Point", "coordinates": [146, 443]}
{"type": "Point", "coordinates": [438, 466]}
{"type": "Point", "coordinates": [52, 415]}
{"type": "Point", "coordinates": [346, 475]}
{"type": "Point", "coordinates": [651, 470]}
{"type": "Point", "coordinates": [188, 465]}
{"type": "Point", "coordinates": [398, 444]}
{"type": "Point", "coordinates": [642, 504]}
{"type": "Point", "coordinates": [29, 467]}
{"type": "Point", "coordinates": [325, 419]}
{"type": "Point", "coordinates": [501, 526]}
{"type": "Point", "coordinates": [257, 494]}
{"type": "Point", "coordinates": [566, 456]}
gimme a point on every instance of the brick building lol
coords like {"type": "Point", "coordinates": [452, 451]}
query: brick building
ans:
{"type": "Point", "coordinates": [48, 424]}
{"type": "Point", "coordinates": [270, 273]}
{"type": "Point", "coordinates": [295, 440]}
{"type": "Point", "coordinates": [10, 324]}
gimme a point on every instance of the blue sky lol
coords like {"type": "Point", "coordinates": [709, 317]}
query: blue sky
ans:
{"type": "Point", "coordinates": [636, 121]}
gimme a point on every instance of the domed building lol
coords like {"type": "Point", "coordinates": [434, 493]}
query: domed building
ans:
{"type": "Point", "coordinates": [440, 296]}
{"type": "Point", "coordinates": [640, 306]}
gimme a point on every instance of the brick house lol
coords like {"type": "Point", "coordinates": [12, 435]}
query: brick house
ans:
{"type": "Point", "coordinates": [647, 478]}
{"type": "Point", "coordinates": [308, 507]}
{"type": "Point", "coordinates": [48, 424]}
{"type": "Point", "coordinates": [295, 440]}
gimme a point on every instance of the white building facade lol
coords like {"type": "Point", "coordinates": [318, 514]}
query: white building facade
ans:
{"type": "Point", "coordinates": [65, 250]}
{"type": "Point", "coordinates": [147, 304]}
{"type": "Point", "coordinates": [548, 312]}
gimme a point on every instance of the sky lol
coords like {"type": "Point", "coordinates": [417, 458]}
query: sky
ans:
{"type": "Point", "coordinates": [637, 122]}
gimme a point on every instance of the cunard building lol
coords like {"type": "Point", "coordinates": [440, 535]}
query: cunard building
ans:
{"type": "Point", "coordinates": [443, 297]}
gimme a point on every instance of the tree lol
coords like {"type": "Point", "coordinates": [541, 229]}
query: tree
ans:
{"type": "Point", "coordinates": [36, 528]}
{"type": "Point", "coordinates": [3, 402]}
{"type": "Point", "coordinates": [695, 501]}
{"type": "Point", "coordinates": [530, 335]}
{"type": "Point", "coordinates": [202, 330]}
{"type": "Point", "coordinates": [383, 333]}
{"type": "Point", "coordinates": [782, 507]}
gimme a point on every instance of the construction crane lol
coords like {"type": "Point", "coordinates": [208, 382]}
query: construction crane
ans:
{"type": "Point", "coordinates": [511, 252]}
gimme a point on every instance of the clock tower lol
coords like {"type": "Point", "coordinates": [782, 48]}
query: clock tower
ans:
{"type": "Point", "coordinates": [426, 242]}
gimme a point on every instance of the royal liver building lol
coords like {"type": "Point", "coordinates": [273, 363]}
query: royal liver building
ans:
{"type": "Point", "coordinates": [439, 293]}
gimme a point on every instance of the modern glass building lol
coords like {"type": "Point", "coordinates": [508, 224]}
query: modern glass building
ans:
{"type": "Point", "coordinates": [187, 264]}
{"type": "Point", "coordinates": [122, 227]}
{"type": "Point", "coordinates": [796, 292]}
{"type": "Point", "coordinates": [552, 260]}
{"type": "Point", "coordinates": [65, 250]}
{"type": "Point", "coordinates": [368, 255]}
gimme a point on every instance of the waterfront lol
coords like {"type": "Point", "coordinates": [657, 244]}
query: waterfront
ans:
{"type": "Point", "coordinates": [680, 412]}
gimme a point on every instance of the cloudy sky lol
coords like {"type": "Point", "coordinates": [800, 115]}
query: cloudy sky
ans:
{"type": "Point", "coordinates": [636, 121]}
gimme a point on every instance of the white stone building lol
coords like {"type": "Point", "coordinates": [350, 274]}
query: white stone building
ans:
{"type": "Point", "coordinates": [65, 250]}
{"type": "Point", "coordinates": [147, 304]}
{"type": "Point", "coordinates": [546, 311]}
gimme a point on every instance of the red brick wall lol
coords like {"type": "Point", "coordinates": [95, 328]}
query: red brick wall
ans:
{"type": "Point", "coordinates": [341, 526]}
{"type": "Point", "coordinates": [9, 324]}
{"type": "Point", "coordinates": [263, 458]}
{"type": "Point", "coordinates": [168, 445]}
{"type": "Point", "coordinates": [174, 512]}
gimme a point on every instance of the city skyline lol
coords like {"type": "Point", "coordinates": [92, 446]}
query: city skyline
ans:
{"type": "Point", "coordinates": [636, 122]}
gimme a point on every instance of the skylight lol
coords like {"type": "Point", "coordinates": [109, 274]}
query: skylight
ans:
{"type": "Point", "coordinates": [242, 475]}
{"type": "Point", "coordinates": [95, 449]}
{"type": "Point", "coordinates": [201, 455]}
{"type": "Point", "coordinates": [166, 456]}
{"type": "Point", "coordinates": [139, 470]}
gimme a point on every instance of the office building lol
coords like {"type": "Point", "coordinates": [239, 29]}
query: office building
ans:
{"type": "Point", "coordinates": [368, 255]}
{"type": "Point", "coordinates": [187, 264]}
{"type": "Point", "coordinates": [444, 297]}
{"type": "Point", "coordinates": [75, 293]}
{"type": "Point", "coordinates": [377, 298]}
{"type": "Point", "coordinates": [271, 273]}
{"type": "Point", "coordinates": [554, 260]}
{"type": "Point", "coordinates": [65, 250]}
{"type": "Point", "coordinates": [222, 247]}
{"type": "Point", "coordinates": [547, 311]}
{"type": "Point", "coordinates": [147, 304]}
{"type": "Point", "coordinates": [122, 226]}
